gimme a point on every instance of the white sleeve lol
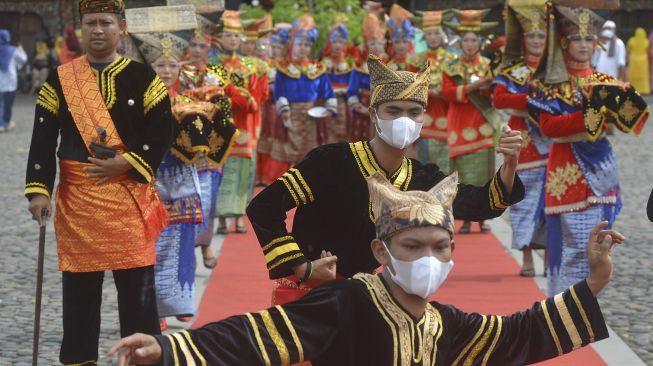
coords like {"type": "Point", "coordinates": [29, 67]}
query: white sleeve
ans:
{"type": "Point", "coordinates": [621, 52]}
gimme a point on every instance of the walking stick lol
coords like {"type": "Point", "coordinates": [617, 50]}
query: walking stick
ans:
{"type": "Point", "coordinates": [39, 287]}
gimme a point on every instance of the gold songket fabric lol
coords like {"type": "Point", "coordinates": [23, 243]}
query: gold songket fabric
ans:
{"type": "Point", "coordinates": [388, 85]}
{"type": "Point", "coordinates": [105, 227]}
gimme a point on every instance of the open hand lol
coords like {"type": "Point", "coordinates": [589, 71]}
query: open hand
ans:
{"type": "Point", "coordinates": [107, 169]}
{"type": "Point", "coordinates": [599, 255]}
{"type": "Point", "coordinates": [141, 349]}
{"type": "Point", "coordinates": [510, 145]}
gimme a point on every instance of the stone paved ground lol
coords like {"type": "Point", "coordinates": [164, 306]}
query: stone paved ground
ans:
{"type": "Point", "coordinates": [627, 303]}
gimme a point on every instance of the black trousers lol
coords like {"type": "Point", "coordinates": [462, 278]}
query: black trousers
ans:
{"type": "Point", "coordinates": [82, 298]}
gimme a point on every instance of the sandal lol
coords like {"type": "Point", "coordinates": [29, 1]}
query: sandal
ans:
{"type": "Point", "coordinates": [241, 229]}
{"type": "Point", "coordinates": [527, 272]}
{"type": "Point", "coordinates": [466, 228]}
{"type": "Point", "coordinates": [223, 230]}
{"type": "Point", "coordinates": [209, 262]}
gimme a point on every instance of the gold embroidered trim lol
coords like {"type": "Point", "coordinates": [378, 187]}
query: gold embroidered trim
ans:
{"type": "Point", "coordinates": [494, 341]}
{"type": "Point", "coordinates": [277, 241]}
{"type": "Point", "coordinates": [189, 340]}
{"type": "Point", "coordinates": [284, 260]}
{"type": "Point", "coordinates": [48, 99]}
{"type": "Point", "coordinates": [174, 348]}
{"type": "Point", "coordinates": [299, 176]}
{"type": "Point", "coordinates": [576, 341]}
{"type": "Point", "coordinates": [552, 330]}
{"type": "Point", "coordinates": [143, 170]}
{"type": "Point", "coordinates": [469, 345]}
{"type": "Point", "coordinates": [154, 94]}
{"type": "Point", "coordinates": [583, 315]}
{"type": "Point", "coordinates": [497, 200]}
{"type": "Point", "coordinates": [280, 250]}
{"type": "Point", "coordinates": [108, 80]}
{"type": "Point", "coordinates": [532, 165]}
{"type": "Point", "coordinates": [37, 190]}
{"type": "Point", "coordinates": [561, 178]}
{"type": "Point", "coordinates": [276, 337]}
{"type": "Point", "coordinates": [293, 333]}
{"type": "Point", "coordinates": [592, 200]}
{"type": "Point", "coordinates": [184, 348]}
{"type": "Point", "coordinates": [481, 344]}
{"type": "Point", "coordinates": [257, 335]}
{"type": "Point", "coordinates": [289, 188]}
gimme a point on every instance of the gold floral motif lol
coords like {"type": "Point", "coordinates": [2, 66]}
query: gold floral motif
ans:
{"type": "Point", "coordinates": [486, 129]}
{"type": "Point", "coordinates": [453, 137]}
{"type": "Point", "coordinates": [583, 23]}
{"type": "Point", "coordinates": [628, 111]}
{"type": "Point", "coordinates": [198, 124]}
{"type": "Point", "coordinates": [215, 141]}
{"type": "Point", "coordinates": [469, 134]}
{"type": "Point", "coordinates": [441, 123]}
{"type": "Point", "coordinates": [593, 120]}
{"type": "Point", "coordinates": [183, 140]}
{"type": "Point", "coordinates": [561, 178]}
{"type": "Point", "coordinates": [428, 214]}
{"type": "Point", "coordinates": [428, 120]}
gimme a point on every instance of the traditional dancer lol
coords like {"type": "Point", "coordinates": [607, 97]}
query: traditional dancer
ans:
{"type": "Point", "coordinates": [115, 123]}
{"type": "Point", "coordinates": [402, 36]}
{"type": "Point", "coordinates": [240, 168]}
{"type": "Point", "coordinates": [358, 88]}
{"type": "Point", "coordinates": [432, 146]}
{"type": "Point", "coordinates": [301, 83]}
{"type": "Point", "coordinates": [526, 32]}
{"type": "Point", "coordinates": [471, 120]}
{"type": "Point", "coordinates": [339, 62]}
{"type": "Point", "coordinates": [328, 188]}
{"type": "Point", "coordinates": [573, 104]}
{"type": "Point", "coordinates": [386, 319]}
{"type": "Point", "coordinates": [272, 128]}
{"type": "Point", "coordinates": [203, 131]}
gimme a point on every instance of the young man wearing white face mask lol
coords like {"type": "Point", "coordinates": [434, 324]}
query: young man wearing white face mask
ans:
{"type": "Point", "coordinates": [333, 221]}
{"type": "Point", "coordinates": [386, 319]}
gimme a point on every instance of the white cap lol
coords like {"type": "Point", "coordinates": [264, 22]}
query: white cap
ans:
{"type": "Point", "coordinates": [610, 25]}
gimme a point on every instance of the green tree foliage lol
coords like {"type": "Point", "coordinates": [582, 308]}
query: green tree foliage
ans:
{"type": "Point", "coordinates": [285, 11]}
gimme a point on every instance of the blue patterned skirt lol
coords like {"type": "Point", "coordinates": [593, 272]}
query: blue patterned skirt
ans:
{"type": "Point", "coordinates": [527, 217]}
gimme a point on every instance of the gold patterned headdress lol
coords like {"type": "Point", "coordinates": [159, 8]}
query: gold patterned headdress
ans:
{"type": "Point", "coordinates": [230, 22]}
{"type": "Point", "coordinates": [257, 28]}
{"type": "Point", "coordinates": [397, 210]}
{"type": "Point", "coordinates": [470, 21]}
{"type": "Point", "coordinates": [433, 19]}
{"type": "Point", "coordinates": [522, 16]}
{"type": "Point", "coordinates": [569, 17]}
{"type": "Point", "coordinates": [101, 6]}
{"type": "Point", "coordinates": [161, 31]}
{"type": "Point", "coordinates": [388, 85]}
{"type": "Point", "coordinates": [372, 28]}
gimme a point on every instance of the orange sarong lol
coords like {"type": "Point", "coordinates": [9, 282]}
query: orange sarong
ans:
{"type": "Point", "coordinates": [105, 227]}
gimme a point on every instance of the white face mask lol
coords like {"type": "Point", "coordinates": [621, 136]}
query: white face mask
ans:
{"type": "Point", "coordinates": [421, 277]}
{"type": "Point", "coordinates": [399, 132]}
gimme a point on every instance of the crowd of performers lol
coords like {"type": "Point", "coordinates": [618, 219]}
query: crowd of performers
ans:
{"type": "Point", "coordinates": [233, 102]}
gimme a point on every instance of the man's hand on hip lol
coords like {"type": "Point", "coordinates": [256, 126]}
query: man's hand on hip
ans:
{"type": "Point", "coordinates": [107, 169]}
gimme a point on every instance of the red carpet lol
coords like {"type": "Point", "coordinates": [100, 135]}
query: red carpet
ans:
{"type": "Point", "coordinates": [484, 279]}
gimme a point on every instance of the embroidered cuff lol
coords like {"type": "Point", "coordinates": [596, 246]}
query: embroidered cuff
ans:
{"type": "Point", "coordinates": [332, 105]}
{"type": "Point", "coordinates": [141, 166]}
{"type": "Point", "coordinates": [178, 347]}
{"type": "Point", "coordinates": [297, 187]}
{"type": "Point", "coordinates": [353, 100]}
{"type": "Point", "coordinates": [37, 188]}
{"type": "Point", "coordinates": [498, 194]}
{"type": "Point", "coordinates": [282, 105]}
{"type": "Point", "coordinates": [283, 250]}
{"type": "Point", "coordinates": [574, 318]}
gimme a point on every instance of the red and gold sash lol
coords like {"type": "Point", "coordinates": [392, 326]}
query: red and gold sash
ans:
{"type": "Point", "coordinates": [86, 104]}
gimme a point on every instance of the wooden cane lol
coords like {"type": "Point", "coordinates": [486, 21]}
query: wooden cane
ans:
{"type": "Point", "coordinates": [39, 288]}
